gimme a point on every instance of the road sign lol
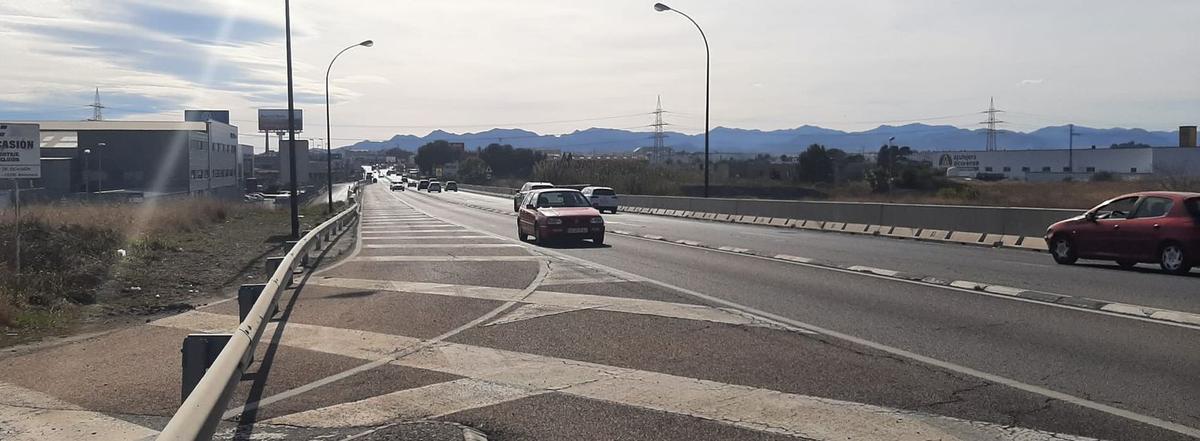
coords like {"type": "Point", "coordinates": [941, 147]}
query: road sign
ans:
{"type": "Point", "coordinates": [276, 120]}
{"type": "Point", "coordinates": [20, 151]}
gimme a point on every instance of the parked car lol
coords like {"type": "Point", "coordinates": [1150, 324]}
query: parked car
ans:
{"type": "Point", "coordinates": [434, 186]}
{"type": "Point", "coordinates": [1149, 227]}
{"type": "Point", "coordinates": [423, 184]}
{"type": "Point", "coordinates": [558, 214]}
{"type": "Point", "coordinates": [525, 189]}
{"type": "Point", "coordinates": [603, 198]}
{"type": "Point", "coordinates": [396, 186]}
{"type": "Point", "coordinates": [451, 186]}
{"type": "Point", "coordinates": [412, 183]}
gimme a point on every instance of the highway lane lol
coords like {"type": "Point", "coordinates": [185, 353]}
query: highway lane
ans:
{"type": "Point", "coordinates": [1147, 368]}
{"type": "Point", "coordinates": [1144, 285]}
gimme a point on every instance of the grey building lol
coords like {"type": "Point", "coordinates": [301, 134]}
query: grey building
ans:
{"type": "Point", "coordinates": [148, 157]}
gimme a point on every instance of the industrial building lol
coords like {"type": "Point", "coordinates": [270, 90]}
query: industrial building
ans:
{"type": "Point", "coordinates": [144, 158]}
{"type": "Point", "coordinates": [1059, 164]}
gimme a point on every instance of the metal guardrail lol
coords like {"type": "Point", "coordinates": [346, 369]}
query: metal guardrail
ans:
{"type": "Point", "coordinates": [197, 418]}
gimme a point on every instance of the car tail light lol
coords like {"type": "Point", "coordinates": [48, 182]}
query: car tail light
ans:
{"type": "Point", "coordinates": [554, 221]}
{"type": "Point", "coordinates": [597, 220]}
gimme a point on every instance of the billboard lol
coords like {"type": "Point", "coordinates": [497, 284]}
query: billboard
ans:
{"type": "Point", "coordinates": [20, 151]}
{"type": "Point", "coordinates": [276, 120]}
{"type": "Point", "coordinates": [285, 154]}
{"type": "Point", "coordinates": [206, 115]}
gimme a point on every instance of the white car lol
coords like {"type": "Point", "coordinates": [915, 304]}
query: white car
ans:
{"type": "Point", "coordinates": [525, 189]}
{"type": "Point", "coordinates": [602, 198]}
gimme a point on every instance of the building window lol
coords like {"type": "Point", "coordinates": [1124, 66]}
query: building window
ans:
{"type": "Point", "coordinates": [1091, 169]}
{"type": "Point", "coordinates": [1066, 169]}
{"type": "Point", "coordinates": [1007, 169]}
{"type": "Point", "coordinates": [1025, 169]}
{"type": "Point", "coordinates": [1133, 169]}
{"type": "Point", "coordinates": [987, 169]}
{"type": "Point", "coordinates": [1045, 169]}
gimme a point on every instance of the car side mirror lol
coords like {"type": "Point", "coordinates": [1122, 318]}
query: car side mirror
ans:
{"type": "Point", "coordinates": [531, 206]}
{"type": "Point", "coordinates": [1090, 216]}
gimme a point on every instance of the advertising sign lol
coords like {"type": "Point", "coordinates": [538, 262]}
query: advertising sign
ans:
{"type": "Point", "coordinates": [276, 120]}
{"type": "Point", "coordinates": [206, 115]}
{"type": "Point", "coordinates": [20, 151]}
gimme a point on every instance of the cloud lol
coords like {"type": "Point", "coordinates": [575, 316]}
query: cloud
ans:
{"type": "Point", "coordinates": [1031, 82]}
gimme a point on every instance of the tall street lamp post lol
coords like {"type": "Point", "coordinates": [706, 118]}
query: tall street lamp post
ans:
{"type": "Point", "coordinates": [707, 70]}
{"type": "Point", "coordinates": [295, 205]}
{"type": "Point", "coordinates": [100, 163]}
{"type": "Point", "coordinates": [328, 136]}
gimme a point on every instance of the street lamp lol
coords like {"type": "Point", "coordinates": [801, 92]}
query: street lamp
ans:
{"type": "Point", "coordinates": [100, 163]}
{"type": "Point", "coordinates": [294, 204]}
{"type": "Point", "coordinates": [707, 68]}
{"type": "Point", "coordinates": [87, 180]}
{"type": "Point", "coordinates": [328, 136]}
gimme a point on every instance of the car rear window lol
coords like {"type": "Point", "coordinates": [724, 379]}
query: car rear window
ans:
{"type": "Point", "coordinates": [603, 192]}
{"type": "Point", "coordinates": [540, 186]}
{"type": "Point", "coordinates": [1193, 207]}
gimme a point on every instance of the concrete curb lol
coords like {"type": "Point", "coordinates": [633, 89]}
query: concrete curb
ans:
{"type": "Point", "coordinates": [1146, 312]}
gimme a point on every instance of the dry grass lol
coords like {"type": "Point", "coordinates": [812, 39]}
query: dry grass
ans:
{"type": "Point", "coordinates": [180, 215]}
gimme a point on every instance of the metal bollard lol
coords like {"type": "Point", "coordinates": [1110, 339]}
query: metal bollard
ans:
{"type": "Point", "coordinates": [199, 351]}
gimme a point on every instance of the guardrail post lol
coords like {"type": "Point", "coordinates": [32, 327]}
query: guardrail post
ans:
{"type": "Point", "coordinates": [289, 244]}
{"type": "Point", "coordinates": [199, 351]}
{"type": "Point", "coordinates": [273, 265]}
{"type": "Point", "coordinates": [247, 295]}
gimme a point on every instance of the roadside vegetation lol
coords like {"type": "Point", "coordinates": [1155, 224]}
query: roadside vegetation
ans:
{"type": "Point", "coordinates": [91, 265]}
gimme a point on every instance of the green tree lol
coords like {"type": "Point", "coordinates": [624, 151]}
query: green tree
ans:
{"type": "Point", "coordinates": [473, 171]}
{"type": "Point", "coordinates": [508, 161]}
{"type": "Point", "coordinates": [816, 165]}
{"type": "Point", "coordinates": [435, 154]}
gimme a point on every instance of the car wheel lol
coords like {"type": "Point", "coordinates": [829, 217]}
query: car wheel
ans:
{"type": "Point", "coordinates": [520, 235]}
{"type": "Point", "coordinates": [598, 240]}
{"type": "Point", "coordinates": [1126, 263]}
{"type": "Point", "coordinates": [1063, 250]}
{"type": "Point", "coordinates": [537, 236]}
{"type": "Point", "coordinates": [1173, 259]}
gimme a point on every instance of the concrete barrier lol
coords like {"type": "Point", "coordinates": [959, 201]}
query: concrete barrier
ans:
{"type": "Point", "coordinates": [1016, 221]}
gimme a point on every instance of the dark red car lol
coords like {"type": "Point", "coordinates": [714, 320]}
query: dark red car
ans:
{"type": "Point", "coordinates": [1149, 227]}
{"type": "Point", "coordinates": [558, 213]}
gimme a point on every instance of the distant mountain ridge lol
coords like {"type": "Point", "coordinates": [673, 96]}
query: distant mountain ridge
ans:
{"type": "Point", "coordinates": [734, 140]}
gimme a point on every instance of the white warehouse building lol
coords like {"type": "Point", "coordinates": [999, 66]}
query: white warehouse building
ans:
{"type": "Point", "coordinates": [1057, 165]}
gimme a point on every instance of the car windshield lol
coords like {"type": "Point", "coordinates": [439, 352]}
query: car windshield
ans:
{"type": "Point", "coordinates": [670, 220]}
{"type": "Point", "coordinates": [560, 199]}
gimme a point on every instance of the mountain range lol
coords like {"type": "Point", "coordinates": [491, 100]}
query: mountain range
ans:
{"type": "Point", "coordinates": [734, 140]}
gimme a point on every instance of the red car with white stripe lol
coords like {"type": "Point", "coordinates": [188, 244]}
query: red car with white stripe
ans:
{"type": "Point", "coordinates": [559, 213]}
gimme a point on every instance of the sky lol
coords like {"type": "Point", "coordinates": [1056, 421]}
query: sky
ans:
{"type": "Point", "coordinates": [560, 66]}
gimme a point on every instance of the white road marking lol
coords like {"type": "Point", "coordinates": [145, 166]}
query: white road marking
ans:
{"type": "Point", "coordinates": [530, 311]}
{"type": "Point", "coordinates": [447, 258]}
{"type": "Point", "coordinates": [733, 249]}
{"type": "Point", "coordinates": [31, 415]}
{"type": "Point", "coordinates": [1003, 290]}
{"type": "Point", "coordinates": [445, 245]}
{"type": "Point", "coordinates": [395, 231]}
{"type": "Point", "coordinates": [422, 237]}
{"type": "Point", "coordinates": [581, 280]}
{"type": "Point", "coordinates": [556, 299]}
{"type": "Point", "coordinates": [519, 374]}
{"type": "Point", "coordinates": [416, 404]}
{"type": "Point", "coordinates": [873, 270]}
{"type": "Point", "coordinates": [792, 258]}
{"type": "Point", "coordinates": [608, 222]}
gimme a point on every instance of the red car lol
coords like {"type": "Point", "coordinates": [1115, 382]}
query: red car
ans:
{"type": "Point", "coordinates": [1151, 227]}
{"type": "Point", "coordinates": [558, 213]}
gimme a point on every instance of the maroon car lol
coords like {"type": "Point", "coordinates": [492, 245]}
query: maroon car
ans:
{"type": "Point", "coordinates": [558, 213]}
{"type": "Point", "coordinates": [1151, 227]}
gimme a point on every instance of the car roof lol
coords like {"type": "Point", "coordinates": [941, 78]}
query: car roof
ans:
{"type": "Point", "coordinates": [553, 190]}
{"type": "Point", "coordinates": [537, 183]}
{"type": "Point", "coordinates": [1164, 194]}
{"type": "Point", "coordinates": [597, 188]}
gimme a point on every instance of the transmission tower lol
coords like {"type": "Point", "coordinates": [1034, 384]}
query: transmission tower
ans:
{"type": "Point", "coordinates": [659, 136]}
{"type": "Point", "coordinates": [991, 123]}
{"type": "Point", "coordinates": [96, 106]}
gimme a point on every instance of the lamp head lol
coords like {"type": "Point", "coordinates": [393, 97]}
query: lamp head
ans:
{"type": "Point", "coordinates": [367, 43]}
{"type": "Point", "coordinates": [661, 7]}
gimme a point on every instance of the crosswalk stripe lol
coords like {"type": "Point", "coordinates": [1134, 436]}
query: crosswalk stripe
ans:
{"type": "Point", "coordinates": [394, 231]}
{"type": "Point", "coordinates": [556, 299]}
{"type": "Point", "coordinates": [444, 245]}
{"type": "Point", "coordinates": [447, 258]}
{"type": "Point", "coordinates": [415, 404]}
{"type": "Point", "coordinates": [30, 415]}
{"type": "Point", "coordinates": [737, 405]}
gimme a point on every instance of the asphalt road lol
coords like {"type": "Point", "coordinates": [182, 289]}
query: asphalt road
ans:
{"type": "Point", "coordinates": [1144, 367]}
{"type": "Point", "coordinates": [429, 320]}
{"type": "Point", "coordinates": [1144, 285]}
